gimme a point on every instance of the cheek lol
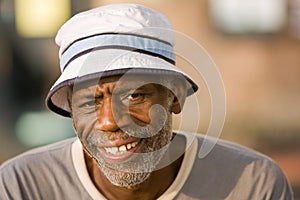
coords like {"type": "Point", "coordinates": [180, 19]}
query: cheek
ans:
{"type": "Point", "coordinates": [140, 117]}
{"type": "Point", "coordinates": [162, 138]}
{"type": "Point", "coordinates": [84, 121]}
{"type": "Point", "coordinates": [141, 113]}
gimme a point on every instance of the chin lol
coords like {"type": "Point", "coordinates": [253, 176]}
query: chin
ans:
{"type": "Point", "coordinates": [129, 180]}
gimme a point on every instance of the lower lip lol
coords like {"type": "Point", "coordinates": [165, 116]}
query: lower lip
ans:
{"type": "Point", "coordinates": [125, 156]}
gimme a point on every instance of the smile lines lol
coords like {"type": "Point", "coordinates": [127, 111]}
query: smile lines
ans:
{"type": "Point", "coordinates": [121, 149]}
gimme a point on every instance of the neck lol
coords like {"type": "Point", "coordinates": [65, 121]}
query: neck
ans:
{"type": "Point", "coordinates": [158, 182]}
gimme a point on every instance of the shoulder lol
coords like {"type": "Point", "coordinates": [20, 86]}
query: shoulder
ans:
{"type": "Point", "coordinates": [229, 150]}
{"type": "Point", "coordinates": [236, 170]}
{"type": "Point", "coordinates": [232, 155]}
{"type": "Point", "coordinates": [37, 172]}
{"type": "Point", "coordinates": [222, 150]}
{"type": "Point", "coordinates": [40, 155]}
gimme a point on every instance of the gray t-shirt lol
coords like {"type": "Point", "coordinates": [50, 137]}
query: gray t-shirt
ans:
{"type": "Point", "coordinates": [229, 171]}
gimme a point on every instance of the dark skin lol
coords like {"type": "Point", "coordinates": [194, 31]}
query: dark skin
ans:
{"type": "Point", "coordinates": [152, 188]}
{"type": "Point", "coordinates": [159, 180]}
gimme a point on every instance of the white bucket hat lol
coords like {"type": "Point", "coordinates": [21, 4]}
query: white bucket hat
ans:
{"type": "Point", "coordinates": [111, 40]}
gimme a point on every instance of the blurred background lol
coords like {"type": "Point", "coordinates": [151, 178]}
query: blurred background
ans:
{"type": "Point", "coordinates": [254, 43]}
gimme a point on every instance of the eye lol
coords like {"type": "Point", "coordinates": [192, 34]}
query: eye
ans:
{"type": "Point", "coordinates": [133, 98]}
{"type": "Point", "coordinates": [92, 101]}
{"type": "Point", "coordinates": [89, 103]}
{"type": "Point", "coordinates": [136, 97]}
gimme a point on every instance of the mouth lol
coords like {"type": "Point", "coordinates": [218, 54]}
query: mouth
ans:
{"type": "Point", "coordinates": [121, 153]}
{"type": "Point", "coordinates": [118, 150]}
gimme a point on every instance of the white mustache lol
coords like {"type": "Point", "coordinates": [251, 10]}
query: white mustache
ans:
{"type": "Point", "coordinates": [103, 136]}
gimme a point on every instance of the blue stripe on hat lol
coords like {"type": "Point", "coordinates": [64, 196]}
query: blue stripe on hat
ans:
{"type": "Point", "coordinates": [147, 44]}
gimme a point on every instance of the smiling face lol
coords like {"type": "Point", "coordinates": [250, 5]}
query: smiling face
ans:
{"type": "Point", "coordinates": [124, 124]}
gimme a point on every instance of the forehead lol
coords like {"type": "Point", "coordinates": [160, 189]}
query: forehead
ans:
{"type": "Point", "coordinates": [126, 81]}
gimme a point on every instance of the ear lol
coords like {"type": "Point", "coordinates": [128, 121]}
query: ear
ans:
{"type": "Point", "coordinates": [180, 92]}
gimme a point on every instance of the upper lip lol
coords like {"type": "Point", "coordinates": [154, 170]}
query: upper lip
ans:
{"type": "Point", "coordinates": [118, 142]}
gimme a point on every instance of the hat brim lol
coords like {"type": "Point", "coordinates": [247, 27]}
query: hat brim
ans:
{"type": "Point", "coordinates": [105, 63]}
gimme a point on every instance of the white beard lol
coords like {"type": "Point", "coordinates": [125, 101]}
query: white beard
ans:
{"type": "Point", "coordinates": [138, 170]}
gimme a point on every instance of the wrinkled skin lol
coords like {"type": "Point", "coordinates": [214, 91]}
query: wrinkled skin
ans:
{"type": "Point", "coordinates": [110, 113]}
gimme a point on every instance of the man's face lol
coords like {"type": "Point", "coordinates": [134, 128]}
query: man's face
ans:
{"type": "Point", "coordinates": [125, 124]}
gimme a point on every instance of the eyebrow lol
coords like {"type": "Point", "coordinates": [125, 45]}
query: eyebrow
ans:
{"type": "Point", "coordinates": [133, 88]}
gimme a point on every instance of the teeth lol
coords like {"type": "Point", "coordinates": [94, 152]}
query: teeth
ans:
{"type": "Point", "coordinates": [134, 144]}
{"type": "Point", "coordinates": [114, 149]}
{"type": "Point", "coordinates": [121, 149]}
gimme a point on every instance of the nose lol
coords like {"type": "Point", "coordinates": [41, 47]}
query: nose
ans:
{"type": "Point", "coordinates": [105, 117]}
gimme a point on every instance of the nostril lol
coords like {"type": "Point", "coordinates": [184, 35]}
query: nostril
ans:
{"type": "Point", "coordinates": [105, 125]}
{"type": "Point", "coordinates": [106, 120]}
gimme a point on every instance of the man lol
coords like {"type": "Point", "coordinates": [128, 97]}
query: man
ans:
{"type": "Point", "coordinates": [120, 86]}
